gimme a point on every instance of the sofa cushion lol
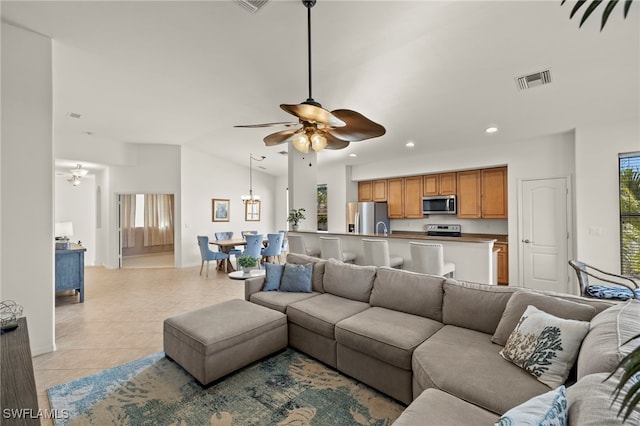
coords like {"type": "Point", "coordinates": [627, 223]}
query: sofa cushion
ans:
{"type": "Point", "coordinates": [591, 404]}
{"type": "Point", "coordinates": [544, 345]}
{"type": "Point", "coordinates": [347, 280]}
{"type": "Point", "coordinates": [387, 335]}
{"type": "Point", "coordinates": [547, 409]}
{"type": "Point", "coordinates": [318, 268]}
{"type": "Point", "coordinates": [435, 407]}
{"type": "Point", "coordinates": [551, 305]}
{"type": "Point", "coordinates": [409, 292]}
{"type": "Point", "coordinates": [474, 306]}
{"type": "Point", "coordinates": [321, 314]}
{"type": "Point", "coordinates": [279, 300]}
{"type": "Point", "coordinates": [604, 347]}
{"type": "Point", "coordinates": [466, 364]}
{"type": "Point", "coordinates": [296, 278]}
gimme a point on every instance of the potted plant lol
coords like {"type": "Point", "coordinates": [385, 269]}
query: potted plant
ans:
{"type": "Point", "coordinates": [295, 216]}
{"type": "Point", "coordinates": [630, 366]}
{"type": "Point", "coordinates": [247, 262]}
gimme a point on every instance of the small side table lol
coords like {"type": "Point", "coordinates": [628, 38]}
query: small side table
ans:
{"type": "Point", "coordinates": [240, 275]}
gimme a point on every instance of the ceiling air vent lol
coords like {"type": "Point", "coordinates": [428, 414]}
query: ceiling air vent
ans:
{"type": "Point", "coordinates": [534, 80]}
{"type": "Point", "coordinates": [252, 5]}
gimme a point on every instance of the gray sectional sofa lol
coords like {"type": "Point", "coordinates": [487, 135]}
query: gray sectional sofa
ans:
{"type": "Point", "coordinates": [433, 343]}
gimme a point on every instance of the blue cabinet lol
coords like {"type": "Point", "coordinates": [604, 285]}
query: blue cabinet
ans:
{"type": "Point", "coordinates": [70, 270]}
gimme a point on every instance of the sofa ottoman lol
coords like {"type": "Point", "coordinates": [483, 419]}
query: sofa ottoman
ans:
{"type": "Point", "coordinates": [214, 341]}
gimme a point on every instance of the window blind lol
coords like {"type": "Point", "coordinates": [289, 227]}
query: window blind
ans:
{"type": "Point", "coordinates": [630, 214]}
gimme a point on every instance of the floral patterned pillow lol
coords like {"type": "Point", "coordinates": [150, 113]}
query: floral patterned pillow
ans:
{"type": "Point", "coordinates": [544, 345]}
{"type": "Point", "coordinates": [548, 409]}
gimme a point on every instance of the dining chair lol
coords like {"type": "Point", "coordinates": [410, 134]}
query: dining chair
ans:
{"type": "Point", "coordinates": [227, 236]}
{"type": "Point", "coordinates": [297, 245]}
{"type": "Point", "coordinates": [331, 248]}
{"type": "Point", "coordinates": [274, 247]}
{"type": "Point", "coordinates": [428, 258]}
{"type": "Point", "coordinates": [376, 253]}
{"type": "Point", "coordinates": [207, 254]}
{"type": "Point", "coordinates": [253, 247]}
{"type": "Point", "coordinates": [623, 288]}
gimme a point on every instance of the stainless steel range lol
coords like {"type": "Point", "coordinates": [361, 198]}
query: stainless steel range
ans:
{"type": "Point", "coordinates": [434, 230]}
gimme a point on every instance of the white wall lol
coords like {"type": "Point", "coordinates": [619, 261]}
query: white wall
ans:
{"type": "Point", "coordinates": [27, 273]}
{"type": "Point", "coordinates": [157, 171]}
{"type": "Point", "coordinates": [597, 191]}
{"type": "Point", "coordinates": [77, 204]}
{"type": "Point", "coordinates": [205, 177]}
{"type": "Point", "coordinates": [303, 183]}
{"type": "Point", "coordinates": [337, 178]}
{"type": "Point", "coordinates": [546, 156]}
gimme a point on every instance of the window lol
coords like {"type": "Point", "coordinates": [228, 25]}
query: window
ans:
{"type": "Point", "coordinates": [630, 214]}
{"type": "Point", "coordinates": [322, 208]}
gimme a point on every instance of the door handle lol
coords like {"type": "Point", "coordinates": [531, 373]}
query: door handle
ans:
{"type": "Point", "coordinates": [526, 241]}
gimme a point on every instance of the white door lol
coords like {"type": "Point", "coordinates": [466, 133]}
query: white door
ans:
{"type": "Point", "coordinates": [544, 234]}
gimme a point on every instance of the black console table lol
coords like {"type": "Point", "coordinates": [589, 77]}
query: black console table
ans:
{"type": "Point", "coordinates": [70, 269]}
{"type": "Point", "coordinates": [17, 385]}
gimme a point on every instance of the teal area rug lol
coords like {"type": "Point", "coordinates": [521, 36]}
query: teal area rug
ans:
{"type": "Point", "coordinates": [288, 388]}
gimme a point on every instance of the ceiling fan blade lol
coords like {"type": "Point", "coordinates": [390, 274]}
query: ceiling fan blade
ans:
{"type": "Point", "coordinates": [335, 143]}
{"type": "Point", "coordinates": [313, 114]}
{"type": "Point", "coordinates": [358, 126]}
{"type": "Point", "coordinates": [279, 137]}
{"type": "Point", "coordinates": [280, 123]}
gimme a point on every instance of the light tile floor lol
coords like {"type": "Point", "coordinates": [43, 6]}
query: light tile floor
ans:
{"type": "Point", "coordinates": [121, 318]}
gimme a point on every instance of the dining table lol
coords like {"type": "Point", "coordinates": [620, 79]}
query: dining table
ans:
{"type": "Point", "coordinates": [226, 246]}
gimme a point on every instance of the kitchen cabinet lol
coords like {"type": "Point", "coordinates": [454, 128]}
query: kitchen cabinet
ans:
{"type": "Point", "coordinates": [365, 190]}
{"type": "Point", "coordinates": [379, 190]}
{"type": "Point", "coordinates": [483, 194]}
{"type": "Point", "coordinates": [439, 184]}
{"type": "Point", "coordinates": [395, 198]}
{"type": "Point", "coordinates": [413, 197]}
{"type": "Point", "coordinates": [494, 193]}
{"type": "Point", "coordinates": [503, 263]}
{"type": "Point", "coordinates": [469, 194]}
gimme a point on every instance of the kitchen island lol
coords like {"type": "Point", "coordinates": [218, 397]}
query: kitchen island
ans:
{"type": "Point", "coordinates": [474, 257]}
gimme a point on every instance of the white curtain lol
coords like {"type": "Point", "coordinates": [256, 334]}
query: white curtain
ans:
{"type": "Point", "coordinates": [158, 219]}
{"type": "Point", "coordinates": [128, 215]}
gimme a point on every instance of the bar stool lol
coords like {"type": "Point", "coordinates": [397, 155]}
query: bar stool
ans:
{"type": "Point", "coordinates": [297, 245]}
{"type": "Point", "coordinates": [331, 248]}
{"type": "Point", "coordinates": [376, 253]}
{"type": "Point", "coordinates": [428, 258]}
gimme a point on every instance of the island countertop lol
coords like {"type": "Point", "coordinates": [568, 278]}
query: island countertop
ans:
{"type": "Point", "coordinates": [473, 255]}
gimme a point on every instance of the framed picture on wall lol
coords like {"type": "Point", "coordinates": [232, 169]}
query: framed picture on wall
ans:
{"type": "Point", "coordinates": [220, 210]}
{"type": "Point", "coordinates": [252, 211]}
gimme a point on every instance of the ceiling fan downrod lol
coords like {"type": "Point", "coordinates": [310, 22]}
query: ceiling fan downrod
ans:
{"type": "Point", "coordinates": [309, 4]}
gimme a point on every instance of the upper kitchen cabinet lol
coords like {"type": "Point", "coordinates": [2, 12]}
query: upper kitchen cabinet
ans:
{"type": "Point", "coordinates": [365, 190]}
{"type": "Point", "coordinates": [413, 197]}
{"type": "Point", "coordinates": [494, 193]}
{"type": "Point", "coordinates": [483, 194]}
{"type": "Point", "coordinates": [439, 184]}
{"type": "Point", "coordinates": [469, 194]}
{"type": "Point", "coordinates": [395, 198]}
{"type": "Point", "coordinates": [380, 190]}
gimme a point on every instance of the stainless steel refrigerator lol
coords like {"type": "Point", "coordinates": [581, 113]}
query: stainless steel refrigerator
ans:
{"type": "Point", "coordinates": [367, 218]}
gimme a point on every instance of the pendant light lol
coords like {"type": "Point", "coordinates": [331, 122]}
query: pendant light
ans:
{"type": "Point", "coordinates": [252, 198]}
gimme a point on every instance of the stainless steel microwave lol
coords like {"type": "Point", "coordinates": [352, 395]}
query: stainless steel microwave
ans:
{"type": "Point", "coordinates": [439, 204]}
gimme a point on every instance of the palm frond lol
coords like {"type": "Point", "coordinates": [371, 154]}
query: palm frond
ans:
{"type": "Point", "coordinates": [593, 5]}
{"type": "Point", "coordinates": [630, 365]}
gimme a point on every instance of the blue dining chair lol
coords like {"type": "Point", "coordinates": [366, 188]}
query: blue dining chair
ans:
{"type": "Point", "coordinates": [274, 247]}
{"type": "Point", "coordinates": [254, 246]}
{"type": "Point", "coordinates": [227, 236]}
{"type": "Point", "coordinates": [207, 254]}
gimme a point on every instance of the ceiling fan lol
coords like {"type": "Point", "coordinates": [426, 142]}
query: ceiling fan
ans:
{"type": "Point", "coordinates": [320, 128]}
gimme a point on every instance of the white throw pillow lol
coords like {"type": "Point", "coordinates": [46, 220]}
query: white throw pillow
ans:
{"type": "Point", "coordinates": [548, 409]}
{"type": "Point", "coordinates": [544, 345]}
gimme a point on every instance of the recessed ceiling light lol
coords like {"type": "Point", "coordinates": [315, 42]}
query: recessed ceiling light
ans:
{"type": "Point", "coordinates": [410, 144]}
{"type": "Point", "coordinates": [353, 155]}
{"type": "Point", "coordinates": [491, 129]}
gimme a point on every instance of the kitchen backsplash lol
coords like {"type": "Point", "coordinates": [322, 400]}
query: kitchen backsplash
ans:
{"type": "Point", "coordinates": [469, 226]}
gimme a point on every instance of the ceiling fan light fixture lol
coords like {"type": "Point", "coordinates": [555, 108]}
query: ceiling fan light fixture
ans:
{"type": "Point", "coordinates": [301, 143]}
{"type": "Point", "coordinates": [79, 171]}
{"type": "Point", "coordinates": [318, 142]}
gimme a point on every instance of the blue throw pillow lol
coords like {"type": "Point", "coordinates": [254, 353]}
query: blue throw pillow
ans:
{"type": "Point", "coordinates": [297, 278]}
{"type": "Point", "coordinates": [548, 409]}
{"type": "Point", "coordinates": [273, 275]}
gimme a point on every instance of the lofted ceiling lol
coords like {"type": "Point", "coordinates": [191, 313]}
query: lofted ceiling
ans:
{"type": "Point", "coordinates": [433, 72]}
